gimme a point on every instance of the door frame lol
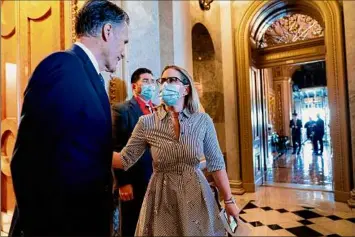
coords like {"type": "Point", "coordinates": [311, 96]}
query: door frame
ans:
{"type": "Point", "coordinates": [331, 14]}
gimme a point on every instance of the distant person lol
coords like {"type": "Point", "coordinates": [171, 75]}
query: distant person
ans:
{"type": "Point", "coordinates": [310, 128]}
{"type": "Point", "coordinates": [132, 184]}
{"type": "Point", "coordinates": [61, 165]}
{"type": "Point", "coordinates": [296, 126]}
{"type": "Point", "coordinates": [318, 136]}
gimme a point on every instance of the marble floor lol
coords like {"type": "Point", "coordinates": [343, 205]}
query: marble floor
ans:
{"type": "Point", "coordinates": [272, 211]}
{"type": "Point", "coordinates": [306, 169]}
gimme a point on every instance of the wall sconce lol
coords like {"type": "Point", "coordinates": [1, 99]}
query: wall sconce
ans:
{"type": "Point", "coordinates": [205, 5]}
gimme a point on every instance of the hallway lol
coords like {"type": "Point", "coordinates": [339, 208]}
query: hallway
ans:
{"type": "Point", "coordinates": [301, 171]}
{"type": "Point", "coordinates": [274, 211]}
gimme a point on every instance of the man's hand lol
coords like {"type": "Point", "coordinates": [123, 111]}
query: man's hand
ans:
{"type": "Point", "coordinates": [126, 192]}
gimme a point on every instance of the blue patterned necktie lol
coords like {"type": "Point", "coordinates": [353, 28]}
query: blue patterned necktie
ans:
{"type": "Point", "coordinates": [102, 80]}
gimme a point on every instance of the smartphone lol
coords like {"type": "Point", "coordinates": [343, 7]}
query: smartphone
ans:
{"type": "Point", "coordinates": [231, 225]}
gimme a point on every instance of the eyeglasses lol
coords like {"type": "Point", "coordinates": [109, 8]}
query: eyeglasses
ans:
{"type": "Point", "coordinates": [170, 80]}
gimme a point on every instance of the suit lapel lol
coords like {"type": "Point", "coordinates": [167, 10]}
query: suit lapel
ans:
{"type": "Point", "coordinates": [134, 106]}
{"type": "Point", "coordinates": [95, 80]}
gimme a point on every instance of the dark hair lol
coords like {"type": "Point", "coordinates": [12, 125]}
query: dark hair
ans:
{"type": "Point", "coordinates": [294, 114]}
{"type": "Point", "coordinates": [94, 14]}
{"type": "Point", "coordinates": [137, 73]}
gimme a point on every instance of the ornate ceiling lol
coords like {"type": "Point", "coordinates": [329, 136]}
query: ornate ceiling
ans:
{"type": "Point", "coordinates": [290, 29]}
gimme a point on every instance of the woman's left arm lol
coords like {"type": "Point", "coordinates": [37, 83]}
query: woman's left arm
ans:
{"type": "Point", "coordinates": [215, 164]}
{"type": "Point", "coordinates": [133, 150]}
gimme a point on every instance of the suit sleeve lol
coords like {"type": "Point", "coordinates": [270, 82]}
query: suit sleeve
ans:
{"type": "Point", "coordinates": [55, 91]}
{"type": "Point", "coordinates": [52, 100]}
{"type": "Point", "coordinates": [120, 138]}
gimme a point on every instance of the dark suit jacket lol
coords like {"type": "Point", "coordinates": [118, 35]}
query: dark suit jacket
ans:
{"type": "Point", "coordinates": [61, 165]}
{"type": "Point", "coordinates": [125, 118]}
{"type": "Point", "coordinates": [296, 131]}
{"type": "Point", "coordinates": [319, 129]}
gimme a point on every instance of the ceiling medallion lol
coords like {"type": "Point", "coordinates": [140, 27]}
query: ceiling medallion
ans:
{"type": "Point", "coordinates": [290, 29]}
{"type": "Point", "coordinates": [205, 5]}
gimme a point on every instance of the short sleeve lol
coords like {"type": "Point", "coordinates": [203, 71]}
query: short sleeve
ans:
{"type": "Point", "coordinates": [135, 147]}
{"type": "Point", "coordinates": [212, 151]}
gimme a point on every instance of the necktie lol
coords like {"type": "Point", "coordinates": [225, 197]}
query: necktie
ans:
{"type": "Point", "coordinates": [102, 80]}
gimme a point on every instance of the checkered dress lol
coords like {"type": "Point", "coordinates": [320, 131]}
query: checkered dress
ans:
{"type": "Point", "coordinates": [178, 201]}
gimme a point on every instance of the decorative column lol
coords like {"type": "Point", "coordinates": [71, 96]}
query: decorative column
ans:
{"type": "Point", "coordinates": [349, 26]}
{"type": "Point", "coordinates": [283, 92]}
{"type": "Point", "coordinates": [230, 100]}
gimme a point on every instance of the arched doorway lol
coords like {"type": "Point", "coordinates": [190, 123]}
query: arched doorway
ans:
{"type": "Point", "coordinates": [328, 14]}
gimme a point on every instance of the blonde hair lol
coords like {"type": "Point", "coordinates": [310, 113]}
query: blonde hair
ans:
{"type": "Point", "coordinates": [192, 102]}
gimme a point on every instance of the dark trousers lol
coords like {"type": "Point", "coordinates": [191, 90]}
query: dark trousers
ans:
{"type": "Point", "coordinates": [130, 213]}
{"type": "Point", "coordinates": [296, 143]}
{"type": "Point", "coordinates": [315, 143]}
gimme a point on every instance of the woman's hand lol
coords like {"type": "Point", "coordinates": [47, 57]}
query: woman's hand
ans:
{"type": "Point", "coordinates": [232, 210]}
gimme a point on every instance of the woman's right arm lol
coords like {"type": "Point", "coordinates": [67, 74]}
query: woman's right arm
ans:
{"type": "Point", "coordinates": [134, 149]}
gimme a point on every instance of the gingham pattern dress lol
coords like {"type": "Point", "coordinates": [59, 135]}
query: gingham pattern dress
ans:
{"type": "Point", "coordinates": [178, 201]}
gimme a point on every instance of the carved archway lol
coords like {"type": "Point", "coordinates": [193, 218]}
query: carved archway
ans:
{"type": "Point", "coordinates": [329, 14]}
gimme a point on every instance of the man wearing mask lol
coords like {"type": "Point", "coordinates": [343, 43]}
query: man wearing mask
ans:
{"type": "Point", "coordinates": [296, 126]}
{"type": "Point", "coordinates": [133, 183]}
{"type": "Point", "coordinates": [61, 165]}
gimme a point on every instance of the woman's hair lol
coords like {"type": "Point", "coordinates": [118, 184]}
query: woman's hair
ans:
{"type": "Point", "coordinates": [192, 102]}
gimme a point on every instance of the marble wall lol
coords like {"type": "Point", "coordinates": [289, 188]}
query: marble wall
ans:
{"type": "Point", "coordinates": [207, 63]}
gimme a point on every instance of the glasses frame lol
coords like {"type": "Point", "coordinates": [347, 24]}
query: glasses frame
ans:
{"type": "Point", "coordinates": [162, 80]}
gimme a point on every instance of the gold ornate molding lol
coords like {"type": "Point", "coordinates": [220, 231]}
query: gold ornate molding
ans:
{"type": "Point", "coordinates": [333, 36]}
{"type": "Point", "coordinates": [8, 136]}
{"type": "Point", "coordinates": [117, 90]}
{"type": "Point", "coordinates": [74, 11]}
{"type": "Point", "coordinates": [290, 29]}
{"type": "Point", "coordinates": [304, 51]}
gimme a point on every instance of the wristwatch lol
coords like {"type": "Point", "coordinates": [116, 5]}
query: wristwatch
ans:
{"type": "Point", "coordinates": [230, 201]}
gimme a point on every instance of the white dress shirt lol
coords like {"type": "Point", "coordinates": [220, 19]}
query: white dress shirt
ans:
{"type": "Point", "coordinates": [93, 60]}
{"type": "Point", "coordinates": [90, 55]}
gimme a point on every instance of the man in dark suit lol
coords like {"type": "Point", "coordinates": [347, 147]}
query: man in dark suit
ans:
{"type": "Point", "coordinates": [296, 126]}
{"type": "Point", "coordinates": [61, 165]}
{"type": "Point", "coordinates": [318, 135]}
{"type": "Point", "coordinates": [133, 183]}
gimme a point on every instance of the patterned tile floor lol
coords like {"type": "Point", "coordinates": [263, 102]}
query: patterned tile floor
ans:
{"type": "Point", "coordinates": [285, 212]}
{"type": "Point", "coordinates": [296, 220]}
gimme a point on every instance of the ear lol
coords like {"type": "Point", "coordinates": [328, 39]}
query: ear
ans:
{"type": "Point", "coordinates": [107, 31]}
{"type": "Point", "coordinates": [187, 90]}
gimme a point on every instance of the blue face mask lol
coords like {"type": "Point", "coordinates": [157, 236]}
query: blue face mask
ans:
{"type": "Point", "coordinates": [171, 94]}
{"type": "Point", "coordinates": [147, 92]}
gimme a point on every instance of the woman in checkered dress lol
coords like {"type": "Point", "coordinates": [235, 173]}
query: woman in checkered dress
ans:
{"type": "Point", "coordinates": [179, 201]}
